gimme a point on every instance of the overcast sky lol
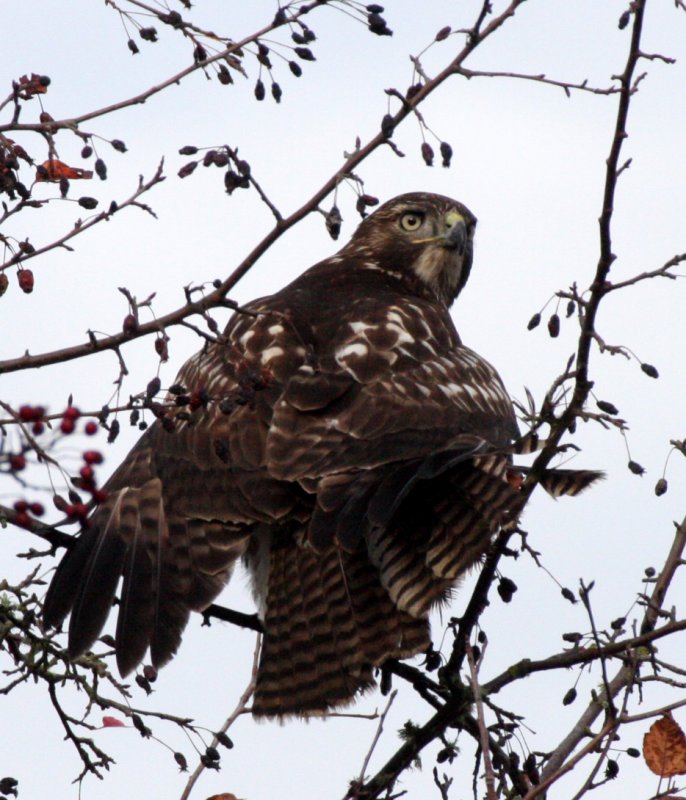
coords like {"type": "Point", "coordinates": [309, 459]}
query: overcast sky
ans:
{"type": "Point", "coordinates": [528, 161]}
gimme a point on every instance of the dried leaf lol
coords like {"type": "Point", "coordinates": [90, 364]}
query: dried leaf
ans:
{"type": "Point", "coordinates": [54, 170]}
{"type": "Point", "coordinates": [664, 748]}
{"type": "Point", "coordinates": [112, 722]}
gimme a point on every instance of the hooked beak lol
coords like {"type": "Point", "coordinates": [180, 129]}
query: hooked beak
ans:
{"type": "Point", "coordinates": [454, 236]}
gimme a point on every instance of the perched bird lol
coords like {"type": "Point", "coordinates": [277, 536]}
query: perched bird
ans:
{"type": "Point", "coordinates": [342, 441]}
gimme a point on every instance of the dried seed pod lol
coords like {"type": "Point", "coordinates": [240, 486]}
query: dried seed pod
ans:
{"type": "Point", "coordinates": [153, 388]}
{"type": "Point", "coordinates": [187, 169]}
{"type": "Point", "coordinates": [25, 278]}
{"type": "Point", "coordinates": [446, 154]}
{"type": "Point", "coordinates": [427, 154]}
{"type": "Point", "coordinates": [118, 145]}
{"type": "Point", "coordinates": [188, 150]}
{"type": "Point", "coordinates": [276, 91]}
{"type": "Point", "coordinates": [180, 759]}
{"type": "Point", "coordinates": [571, 306]}
{"type": "Point", "coordinates": [259, 90]}
{"type": "Point", "coordinates": [133, 47]}
{"type": "Point", "coordinates": [534, 322]}
{"type": "Point", "coordinates": [333, 222]}
{"type": "Point", "coordinates": [100, 169]}
{"type": "Point", "coordinates": [608, 408]}
{"type": "Point", "coordinates": [295, 68]}
{"type": "Point", "coordinates": [64, 187]}
{"type": "Point", "coordinates": [377, 24]}
{"type": "Point", "coordinates": [650, 370]}
{"type": "Point", "coordinates": [569, 697]}
{"type": "Point", "coordinates": [223, 75]}
{"type": "Point", "coordinates": [661, 487]}
{"type": "Point", "coordinates": [130, 324]}
{"type": "Point", "coordinates": [443, 33]}
{"type": "Point", "coordinates": [148, 34]}
{"type": "Point", "coordinates": [223, 740]}
{"type": "Point", "coordinates": [635, 467]}
{"type": "Point", "coordinates": [506, 589]}
{"type": "Point", "coordinates": [4, 283]}
{"type": "Point", "coordinates": [305, 53]}
{"type": "Point", "coordinates": [568, 594]}
{"type": "Point", "coordinates": [554, 326]}
{"type": "Point", "coordinates": [88, 203]}
{"type": "Point", "coordinates": [387, 126]}
{"type": "Point", "coordinates": [199, 54]}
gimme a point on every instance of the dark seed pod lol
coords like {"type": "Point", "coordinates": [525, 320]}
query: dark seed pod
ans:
{"type": "Point", "coordinates": [377, 24]}
{"type": "Point", "coordinates": [554, 326]}
{"type": "Point", "coordinates": [534, 322]}
{"type": "Point", "coordinates": [446, 154]}
{"type": "Point", "coordinates": [100, 169]}
{"type": "Point", "coordinates": [212, 753]}
{"type": "Point", "coordinates": [661, 487]}
{"type": "Point", "coordinates": [130, 325]}
{"type": "Point", "coordinates": [635, 467]}
{"type": "Point", "coordinates": [148, 34]}
{"type": "Point", "coordinates": [624, 20]}
{"type": "Point", "coordinates": [433, 661]}
{"type": "Point", "coordinates": [295, 68]}
{"type": "Point", "coordinates": [64, 187]}
{"type": "Point", "coordinates": [259, 90]}
{"type": "Point", "coordinates": [443, 33]}
{"type": "Point", "coordinates": [188, 150]}
{"type": "Point", "coordinates": [375, 8]}
{"type": "Point", "coordinates": [572, 638]}
{"type": "Point", "coordinates": [571, 306]}
{"type": "Point", "coordinates": [25, 278]}
{"type": "Point", "coordinates": [276, 92]}
{"type": "Point", "coordinates": [569, 697]}
{"type": "Point", "coordinates": [387, 126]}
{"type": "Point", "coordinates": [428, 154]}
{"type": "Point", "coordinates": [199, 54]}
{"type": "Point", "coordinates": [223, 75]}
{"type": "Point", "coordinates": [305, 53]}
{"type": "Point", "coordinates": [611, 769]}
{"type": "Point", "coordinates": [650, 370]}
{"type": "Point", "coordinates": [88, 202]}
{"type": "Point", "coordinates": [568, 594]}
{"type": "Point", "coordinates": [140, 726]}
{"type": "Point", "coordinates": [608, 408]}
{"type": "Point", "coordinates": [208, 158]}
{"type": "Point", "coordinates": [118, 145]}
{"type": "Point", "coordinates": [298, 38]}
{"type": "Point", "coordinates": [632, 752]}
{"type": "Point", "coordinates": [153, 388]}
{"type": "Point", "coordinates": [133, 47]}
{"type": "Point", "coordinates": [224, 740]}
{"type": "Point", "coordinates": [618, 624]}
{"type": "Point", "coordinates": [333, 222]}
{"type": "Point", "coordinates": [113, 431]}
{"type": "Point", "coordinates": [187, 169]}
{"type": "Point", "coordinates": [180, 759]}
{"type": "Point", "coordinates": [506, 589]}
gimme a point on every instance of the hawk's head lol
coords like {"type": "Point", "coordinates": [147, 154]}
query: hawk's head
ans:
{"type": "Point", "coordinates": [428, 235]}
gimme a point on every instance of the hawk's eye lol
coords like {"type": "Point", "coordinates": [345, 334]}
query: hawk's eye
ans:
{"type": "Point", "coordinates": [411, 220]}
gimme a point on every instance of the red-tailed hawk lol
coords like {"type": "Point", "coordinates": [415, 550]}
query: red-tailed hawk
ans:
{"type": "Point", "coordinates": [343, 442]}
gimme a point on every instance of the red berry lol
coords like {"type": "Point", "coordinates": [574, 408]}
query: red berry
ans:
{"type": "Point", "coordinates": [26, 413]}
{"type": "Point", "coordinates": [21, 506]}
{"type": "Point", "coordinates": [67, 425]}
{"type": "Point", "coordinates": [93, 457]}
{"type": "Point", "coordinates": [100, 495]}
{"type": "Point", "coordinates": [22, 519]}
{"type": "Point", "coordinates": [79, 510]}
{"type": "Point", "coordinates": [130, 325]}
{"type": "Point", "coordinates": [71, 412]}
{"type": "Point", "coordinates": [91, 428]}
{"type": "Point", "coordinates": [17, 462]}
{"type": "Point", "coordinates": [87, 473]}
{"type": "Point", "coordinates": [38, 427]}
{"type": "Point", "coordinates": [37, 508]}
{"type": "Point", "coordinates": [25, 277]}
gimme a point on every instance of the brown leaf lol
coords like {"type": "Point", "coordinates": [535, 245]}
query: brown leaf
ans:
{"type": "Point", "coordinates": [36, 84]}
{"type": "Point", "coordinates": [664, 748]}
{"type": "Point", "coordinates": [54, 170]}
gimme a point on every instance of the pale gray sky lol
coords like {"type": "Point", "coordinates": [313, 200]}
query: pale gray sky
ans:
{"type": "Point", "coordinates": [530, 163]}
